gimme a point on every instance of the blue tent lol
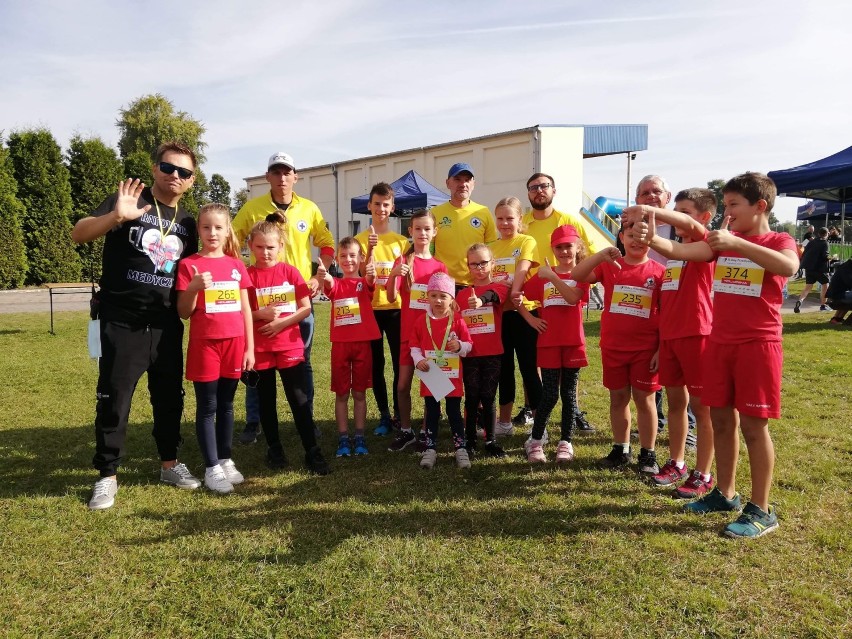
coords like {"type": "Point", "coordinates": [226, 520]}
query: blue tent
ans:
{"type": "Point", "coordinates": [817, 210]}
{"type": "Point", "coordinates": [826, 179]}
{"type": "Point", "coordinates": [411, 192]}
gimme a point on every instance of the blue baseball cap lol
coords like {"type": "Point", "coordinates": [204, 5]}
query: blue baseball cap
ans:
{"type": "Point", "coordinates": [459, 167]}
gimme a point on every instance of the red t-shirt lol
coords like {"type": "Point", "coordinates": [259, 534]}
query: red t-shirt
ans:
{"type": "Point", "coordinates": [484, 323]}
{"type": "Point", "coordinates": [416, 305]}
{"type": "Point", "coordinates": [218, 309]}
{"type": "Point", "coordinates": [281, 286]}
{"type": "Point", "coordinates": [630, 320]}
{"type": "Point", "coordinates": [421, 338]}
{"type": "Point", "coordinates": [352, 318]}
{"type": "Point", "coordinates": [564, 320]}
{"type": "Point", "coordinates": [686, 303]}
{"type": "Point", "coordinates": [747, 298]}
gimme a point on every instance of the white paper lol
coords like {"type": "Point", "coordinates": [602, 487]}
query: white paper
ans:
{"type": "Point", "coordinates": [436, 381]}
{"type": "Point", "coordinates": [94, 339]}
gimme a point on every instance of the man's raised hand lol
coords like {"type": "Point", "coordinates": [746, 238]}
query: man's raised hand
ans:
{"type": "Point", "coordinates": [127, 205]}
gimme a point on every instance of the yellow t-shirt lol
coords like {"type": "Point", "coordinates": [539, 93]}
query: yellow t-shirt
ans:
{"type": "Point", "coordinates": [390, 248]}
{"type": "Point", "coordinates": [304, 223]}
{"type": "Point", "coordinates": [458, 230]}
{"type": "Point", "coordinates": [541, 230]}
{"type": "Point", "coordinates": [507, 254]}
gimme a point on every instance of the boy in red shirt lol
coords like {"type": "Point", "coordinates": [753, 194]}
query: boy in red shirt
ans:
{"type": "Point", "coordinates": [440, 338]}
{"type": "Point", "coordinates": [629, 342]}
{"type": "Point", "coordinates": [353, 327]}
{"type": "Point", "coordinates": [686, 315]}
{"type": "Point", "coordinates": [744, 357]}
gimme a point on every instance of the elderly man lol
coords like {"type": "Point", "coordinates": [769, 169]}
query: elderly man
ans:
{"type": "Point", "coordinates": [305, 227]}
{"type": "Point", "coordinates": [145, 234]}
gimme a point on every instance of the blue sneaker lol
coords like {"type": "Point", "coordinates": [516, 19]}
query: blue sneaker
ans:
{"type": "Point", "coordinates": [361, 446]}
{"type": "Point", "coordinates": [713, 502]}
{"type": "Point", "coordinates": [752, 523]}
{"type": "Point", "coordinates": [385, 426]}
{"type": "Point", "coordinates": [344, 447]}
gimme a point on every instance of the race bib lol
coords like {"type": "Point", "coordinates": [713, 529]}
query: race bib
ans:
{"type": "Point", "coordinates": [419, 298]}
{"type": "Point", "coordinates": [631, 300]}
{"type": "Point", "coordinates": [450, 363]}
{"type": "Point", "coordinates": [347, 311]}
{"type": "Point", "coordinates": [504, 269]}
{"type": "Point", "coordinates": [222, 297]}
{"type": "Point", "coordinates": [281, 297]}
{"type": "Point", "coordinates": [552, 296]}
{"type": "Point", "coordinates": [383, 270]}
{"type": "Point", "coordinates": [671, 278]}
{"type": "Point", "coordinates": [738, 276]}
{"type": "Point", "coordinates": [480, 320]}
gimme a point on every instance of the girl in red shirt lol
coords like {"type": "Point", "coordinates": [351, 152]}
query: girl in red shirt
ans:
{"type": "Point", "coordinates": [482, 310]}
{"type": "Point", "coordinates": [279, 300]}
{"type": "Point", "coordinates": [561, 348]}
{"type": "Point", "coordinates": [213, 296]}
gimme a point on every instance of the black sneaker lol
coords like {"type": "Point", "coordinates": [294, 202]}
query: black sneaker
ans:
{"type": "Point", "coordinates": [493, 449]}
{"type": "Point", "coordinates": [581, 425]}
{"type": "Point", "coordinates": [524, 417]}
{"type": "Point", "coordinates": [275, 458]}
{"type": "Point", "coordinates": [249, 435]}
{"type": "Point", "coordinates": [316, 462]}
{"type": "Point", "coordinates": [648, 462]}
{"type": "Point", "coordinates": [403, 440]}
{"type": "Point", "coordinates": [420, 446]}
{"type": "Point", "coordinates": [798, 306]}
{"type": "Point", "coordinates": [617, 458]}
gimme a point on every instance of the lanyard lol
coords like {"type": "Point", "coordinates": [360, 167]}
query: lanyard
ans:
{"type": "Point", "coordinates": [439, 352]}
{"type": "Point", "coordinates": [160, 221]}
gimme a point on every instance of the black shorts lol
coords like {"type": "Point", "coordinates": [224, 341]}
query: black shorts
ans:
{"type": "Point", "coordinates": [812, 277]}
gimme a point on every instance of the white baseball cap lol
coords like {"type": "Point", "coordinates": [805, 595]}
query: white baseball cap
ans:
{"type": "Point", "coordinates": [281, 158]}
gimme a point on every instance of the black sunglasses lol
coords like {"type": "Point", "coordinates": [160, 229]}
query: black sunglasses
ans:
{"type": "Point", "coordinates": [168, 168]}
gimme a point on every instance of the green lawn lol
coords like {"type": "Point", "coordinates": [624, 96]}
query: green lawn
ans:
{"type": "Point", "coordinates": [381, 548]}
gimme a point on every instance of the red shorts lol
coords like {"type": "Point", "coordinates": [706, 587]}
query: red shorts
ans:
{"type": "Point", "coordinates": [746, 376]}
{"type": "Point", "coordinates": [351, 367]}
{"type": "Point", "coordinates": [628, 368]}
{"type": "Point", "coordinates": [264, 360]}
{"type": "Point", "coordinates": [682, 363]}
{"type": "Point", "coordinates": [209, 359]}
{"type": "Point", "coordinates": [561, 357]}
{"type": "Point", "coordinates": [405, 354]}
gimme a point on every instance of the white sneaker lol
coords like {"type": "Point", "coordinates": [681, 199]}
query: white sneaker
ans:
{"type": "Point", "coordinates": [564, 452]}
{"type": "Point", "coordinates": [427, 460]}
{"type": "Point", "coordinates": [103, 494]}
{"type": "Point", "coordinates": [234, 476]}
{"type": "Point", "coordinates": [535, 451]}
{"type": "Point", "coordinates": [216, 480]}
{"type": "Point", "coordinates": [462, 458]}
{"type": "Point", "coordinates": [503, 429]}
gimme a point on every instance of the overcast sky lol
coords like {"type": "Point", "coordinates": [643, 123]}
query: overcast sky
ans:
{"type": "Point", "coordinates": [723, 86]}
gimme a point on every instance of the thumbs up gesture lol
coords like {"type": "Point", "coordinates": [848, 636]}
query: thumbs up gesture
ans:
{"type": "Point", "coordinates": [474, 301]}
{"type": "Point", "coordinates": [372, 240]}
{"type": "Point", "coordinates": [546, 273]}
{"type": "Point", "coordinates": [200, 281]}
{"type": "Point", "coordinates": [722, 240]}
{"type": "Point", "coordinates": [370, 268]}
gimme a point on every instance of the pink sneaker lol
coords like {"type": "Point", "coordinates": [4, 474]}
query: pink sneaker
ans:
{"type": "Point", "coordinates": [564, 452]}
{"type": "Point", "coordinates": [669, 474]}
{"type": "Point", "coordinates": [694, 487]}
{"type": "Point", "coordinates": [535, 451]}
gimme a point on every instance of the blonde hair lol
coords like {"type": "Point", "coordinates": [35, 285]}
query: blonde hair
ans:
{"type": "Point", "coordinates": [232, 245]}
{"type": "Point", "coordinates": [481, 247]}
{"type": "Point", "coordinates": [409, 254]}
{"type": "Point", "coordinates": [511, 202]}
{"type": "Point", "coordinates": [274, 224]}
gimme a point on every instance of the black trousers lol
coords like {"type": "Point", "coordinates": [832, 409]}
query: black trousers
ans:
{"type": "Point", "coordinates": [481, 376]}
{"type": "Point", "coordinates": [127, 352]}
{"type": "Point", "coordinates": [214, 418]}
{"type": "Point", "coordinates": [295, 382]}
{"type": "Point", "coordinates": [519, 339]}
{"type": "Point", "coordinates": [388, 321]}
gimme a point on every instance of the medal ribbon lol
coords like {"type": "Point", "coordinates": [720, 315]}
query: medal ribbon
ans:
{"type": "Point", "coordinates": [439, 351]}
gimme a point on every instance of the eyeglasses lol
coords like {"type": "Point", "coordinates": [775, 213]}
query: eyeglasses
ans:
{"type": "Point", "coordinates": [479, 264]}
{"type": "Point", "coordinates": [532, 188]}
{"type": "Point", "coordinates": [168, 168]}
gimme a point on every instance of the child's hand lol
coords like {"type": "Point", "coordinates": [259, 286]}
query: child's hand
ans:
{"type": "Point", "coordinates": [248, 361]}
{"type": "Point", "coordinates": [655, 362]}
{"type": "Point", "coordinates": [400, 270]}
{"type": "Point", "coordinates": [722, 240]}
{"type": "Point", "coordinates": [423, 365]}
{"type": "Point", "coordinates": [200, 281]}
{"type": "Point", "coordinates": [322, 273]}
{"type": "Point", "coordinates": [633, 215]}
{"type": "Point", "coordinates": [610, 254]}
{"type": "Point", "coordinates": [272, 328]}
{"type": "Point", "coordinates": [538, 324]}
{"type": "Point", "coordinates": [546, 273]}
{"type": "Point", "coordinates": [454, 346]}
{"type": "Point", "coordinates": [267, 313]}
{"type": "Point", "coordinates": [370, 269]}
{"type": "Point", "coordinates": [474, 302]}
{"type": "Point", "coordinates": [517, 299]}
{"type": "Point", "coordinates": [644, 231]}
{"type": "Point", "coordinates": [372, 240]}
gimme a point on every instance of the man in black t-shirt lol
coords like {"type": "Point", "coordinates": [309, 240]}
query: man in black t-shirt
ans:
{"type": "Point", "coordinates": [815, 264]}
{"type": "Point", "coordinates": [146, 233]}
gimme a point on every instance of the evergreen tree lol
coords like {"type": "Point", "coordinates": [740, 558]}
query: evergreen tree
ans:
{"type": "Point", "coordinates": [45, 191]}
{"type": "Point", "coordinates": [13, 261]}
{"type": "Point", "coordinates": [220, 190]}
{"type": "Point", "coordinates": [95, 172]}
{"type": "Point", "coordinates": [240, 198]}
{"type": "Point", "coordinates": [151, 120]}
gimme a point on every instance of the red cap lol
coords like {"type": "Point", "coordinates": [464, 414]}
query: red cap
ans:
{"type": "Point", "coordinates": [564, 234]}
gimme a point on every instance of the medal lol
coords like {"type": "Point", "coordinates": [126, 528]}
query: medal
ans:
{"type": "Point", "coordinates": [440, 360]}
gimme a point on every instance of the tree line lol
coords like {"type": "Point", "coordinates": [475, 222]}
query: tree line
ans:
{"type": "Point", "coordinates": [43, 191]}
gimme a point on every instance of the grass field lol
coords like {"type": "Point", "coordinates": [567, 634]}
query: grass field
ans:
{"type": "Point", "coordinates": [380, 548]}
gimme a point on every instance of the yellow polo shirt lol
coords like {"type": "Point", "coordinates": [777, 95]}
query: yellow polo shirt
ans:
{"type": "Point", "coordinates": [390, 248]}
{"type": "Point", "coordinates": [541, 230]}
{"type": "Point", "coordinates": [458, 230]}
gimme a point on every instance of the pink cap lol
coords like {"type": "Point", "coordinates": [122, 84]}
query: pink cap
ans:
{"type": "Point", "coordinates": [442, 282]}
{"type": "Point", "coordinates": [563, 235]}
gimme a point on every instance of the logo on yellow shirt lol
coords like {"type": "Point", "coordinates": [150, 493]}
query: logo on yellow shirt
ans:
{"type": "Point", "coordinates": [302, 226]}
{"type": "Point", "coordinates": [445, 221]}
{"type": "Point", "coordinates": [475, 222]}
